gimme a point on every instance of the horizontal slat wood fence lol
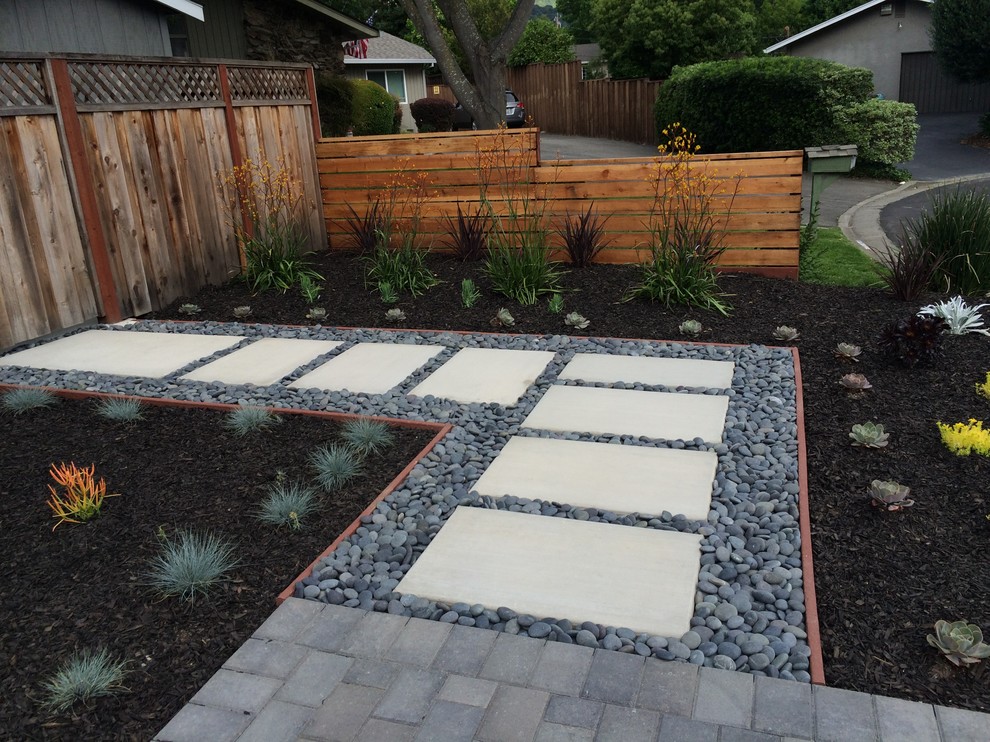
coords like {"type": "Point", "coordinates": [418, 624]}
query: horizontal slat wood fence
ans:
{"type": "Point", "coordinates": [560, 102]}
{"type": "Point", "coordinates": [111, 201]}
{"type": "Point", "coordinates": [757, 197]}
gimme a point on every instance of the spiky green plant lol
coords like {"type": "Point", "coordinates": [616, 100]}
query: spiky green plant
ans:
{"type": "Point", "coordinates": [243, 420]}
{"type": "Point", "coordinates": [18, 401]}
{"type": "Point", "coordinates": [287, 504]}
{"type": "Point", "coordinates": [190, 564]}
{"type": "Point", "coordinates": [335, 465]}
{"type": "Point", "coordinates": [469, 293]}
{"type": "Point", "coordinates": [82, 677]}
{"type": "Point", "coordinates": [556, 304]}
{"type": "Point", "coordinates": [120, 410]}
{"type": "Point", "coordinates": [367, 436]}
{"type": "Point", "coordinates": [387, 292]}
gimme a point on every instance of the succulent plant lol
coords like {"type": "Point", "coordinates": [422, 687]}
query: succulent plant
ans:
{"type": "Point", "coordinates": [395, 315]}
{"type": "Point", "coordinates": [576, 321]}
{"type": "Point", "coordinates": [189, 309]}
{"type": "Point", "coordinates": [848, 352]}
{"type": "Point", "coordinates": [960, 642]}
{"type": "Point", "coordinates": [889, 495]}
{"type": "Point", "coordinates": [856, 383]}
{"type": "Point", "coordinates": [502, 318]}
{"type": "Point", "coordinates": [556, 304]}
{"type": "Point", "coordinates": [691, 327]}
{"type": "Point", "coordinates": [914, 339]}
{"type": "Point", "coordinates": [242, 311]}
{"type": "Point", "coordinates": [869, 435]}
{"type": "Point", "coordinates": [316, 314]}
{"type": "Point", "coordinates": [786, 333]}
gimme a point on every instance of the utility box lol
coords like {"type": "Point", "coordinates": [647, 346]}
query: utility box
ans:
{"type": "Point", "coordinates": [825, 164]}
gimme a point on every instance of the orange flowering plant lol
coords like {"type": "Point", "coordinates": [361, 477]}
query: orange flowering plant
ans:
{"type": "Point", "coordinates": [81, 496]}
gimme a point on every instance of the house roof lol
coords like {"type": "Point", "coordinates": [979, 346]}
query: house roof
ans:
{"type": "Point", "coordinates": [186, 7]}
{"type": "Point", "coordinates": [830, 22]}
{"type": "Point", "coordinates": [356, 29]}
{"type": "Point", "coordinates": [389, 49]}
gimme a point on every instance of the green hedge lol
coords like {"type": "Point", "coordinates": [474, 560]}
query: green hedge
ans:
{"type": "Point", "coordinates": [335, 99]}
{"type": "Point", "coordinates": [884, 130]}
{"type": "Point", "coordinates": [374, 109]}
{"type": "Point", "coordinates": [762, 103]}
{"type": "Point", "coordinates": [433, 114]}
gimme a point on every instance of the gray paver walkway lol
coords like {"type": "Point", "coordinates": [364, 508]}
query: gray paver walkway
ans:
{"type": "Point", "coordinates": [426, 680]}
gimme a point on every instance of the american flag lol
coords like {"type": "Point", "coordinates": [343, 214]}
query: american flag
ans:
{"type": "Point", "coordinates": [357, 49]}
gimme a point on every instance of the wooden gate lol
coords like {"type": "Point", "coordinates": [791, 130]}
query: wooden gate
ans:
{"type": "Point", "coordinates": [932, 91]}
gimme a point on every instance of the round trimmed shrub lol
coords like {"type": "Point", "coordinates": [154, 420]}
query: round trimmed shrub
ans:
{"type": "Point", "coordinates": [373, 110]}
{"type": "Point", "coordinates": [433, 114]}
{"type": "Point", "coordinates": [335, 99]}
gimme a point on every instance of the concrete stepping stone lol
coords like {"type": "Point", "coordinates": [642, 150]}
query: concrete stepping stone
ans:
{"type": "Point", "coordinates": [615, 575]}
{"type": "Point", "coordinates": [630, 412]}
{"type": "Point", "coordinates": [485, 375]}
{"type": "Point", "coordinates": [262, 362]}
{"type": "Point", "coordinates": [623, 479]}
{"type": "Point", "coordinates": [369, 368]}
{"type": "Point", "coordinates": [152, 354]}
{"type": "Point", "coordinates": [691, 372]}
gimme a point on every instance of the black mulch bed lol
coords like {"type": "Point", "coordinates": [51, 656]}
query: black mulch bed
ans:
{"type": "Point", "coordinates": [82, 585]}
{"type": "Point", "coordinates": [883, 579]}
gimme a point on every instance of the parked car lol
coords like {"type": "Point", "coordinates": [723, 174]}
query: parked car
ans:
{"type": "Point", "coordinates": [515, 113]}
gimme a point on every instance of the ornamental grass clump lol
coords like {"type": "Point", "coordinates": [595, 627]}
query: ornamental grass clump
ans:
{"type": "Point", "coordinates": [955, 229]}
{"type": "Point", "coordinates": [335, 465]}
{"type": "Point", "coordinates": [468, 235]}
{"type": "Point", "coordinates": [964, 439]}
{"type": "Point", "coordinates": [584, 237]}
{"type": "Point", "coordinates": [79, 496]}
{"type": "Point", "coordinates": [244, 420]}
{"type": "Point", "coordinates": [367, 436]}
{"type": "Point", "coordinates": [84, 676]}
{"type": "Point", "coordinates": [191, 564]}
{"type": "Point", "coordinates": [19, 401]}
{"type": "Point", "coordinates": [287, 504]}
{"type": "Point", "coordinates": [121, 410]}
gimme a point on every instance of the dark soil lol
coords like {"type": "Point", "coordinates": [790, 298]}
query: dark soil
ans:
{"type": "Point", "coordinates": [883, 579]}
{"type": "Point", "coordinates": [84, 585]}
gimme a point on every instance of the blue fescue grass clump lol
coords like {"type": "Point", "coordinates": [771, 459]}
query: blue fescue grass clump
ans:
{"type": "Point", "coordinates": [367, 436]}
{"type": "Point", "coordinates": [243, 420]}
{"type": "Point", "coordinates": [120, 410]}
{"type": "Point", "coordinates": [191, 564]}
{"type": "Point", "coordinates": [335, 465]}
{"type": "Point", "coordinates": [287, 504]}
{"type": "Point", "coordinates": [84, 676]}
{"type": "Point", "coordinates": [18, 401]}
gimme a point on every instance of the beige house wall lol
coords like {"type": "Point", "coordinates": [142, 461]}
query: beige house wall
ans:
{"type": "Point", "coordinates": [415, 84]}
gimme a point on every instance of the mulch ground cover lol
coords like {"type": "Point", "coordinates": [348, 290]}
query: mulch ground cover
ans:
{"type": "Point", "coordinates": [883, 578]}
{"type": "Point", "coordinates": [85, 585]}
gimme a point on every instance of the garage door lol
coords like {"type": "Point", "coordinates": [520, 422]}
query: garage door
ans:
{"type": "Point", "coordinates": [932, 91]}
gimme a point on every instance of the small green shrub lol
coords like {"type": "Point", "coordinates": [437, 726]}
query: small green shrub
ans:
{"type": "Point", "coordinates": [191, 564]}
{"type": "Point", "coordinates": [287, 504]}
{"type": "Point", "coordinates": [243, 420]}
{"type": "Point", "coordinates": [523, 274]}
{"type": "Point", "coordinates": [373, 109]}
{"type": "Point", "coordinates": [120, 410]}
{"type": "Point", "coordinates": [679, 275]}
{"type": "Point", "coordinates": [84, 676]}
{"type": "Point", "coordinates": [403, 268]}
{"type": "Point", "coordinates": [335, 465]}
{"type": "Point", "coordinates": [885, 131]}
{"type": "Point", "coordinates": [432, 114]}
{"type": "Point", "coordinates": [469, 293]}
{"type": "Point", "coordinates": [367, 436]}
{"type": "Point", "coordinates": [955, 229]}
{"type": "Point", "coordinates": [18, 401]}
{"type": "Point", "coordinates": [335, 98]}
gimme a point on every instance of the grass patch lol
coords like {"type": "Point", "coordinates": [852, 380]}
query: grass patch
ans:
{"type": "Point", "coordinates": [835, 261]}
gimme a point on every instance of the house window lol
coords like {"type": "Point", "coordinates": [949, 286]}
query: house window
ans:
{"type": "Point", "coordinates": [394, 81]}
{"type": "Point", "coordinates": [178, 34]}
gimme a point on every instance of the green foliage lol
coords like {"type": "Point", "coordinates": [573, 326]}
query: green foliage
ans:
{"type": "Point", "coordinates": [373, 110]}
{"type": "Point", "coordinates": [335, 97]}
{"type": "Point", "coordinates": [287, 504]}
{"type": "Point", "coordinates": [276, 260]}
{"type": "Point", "coordinates": [955, 230]}
{"type": "Point", "coordinates": [523, 274]}
{"type": "Point", "coordinates": [959, 33]}
{"type": "Point", "coordinates": [762, 104]}
{"type": "Point", "coordinates": [243, 420]}
{"type": "Point", "coordinates": [959, 642]}
{"type": "Point", "coordinates": [778, 19]}
{"type": "Point", "coordinates": [469, 293]}
{"type": "Point", "coordinates": [120, 410]}
{"type": "Point", "coordinates": [18, 401]}
{"type": "Point", "coordinates": [404, 269]}
{"type": "Point", "coordinates": [555, 305]}
{"type": "Point", "coordinates": [432, 114]}
{"type": "Point", "coordinates": [885, 131]}
{"type": "Point", "coordinates": [584, 237]}
{"type": "Point", "coordinates": [676, 275]}
{"type": "Point", "coordinates": [309, 289]}
{"type": "Point", "coordinates": [191, 564]}
{"type": "Point", "coordinates": [648, 38]}
{"type": "Point", "coordinates": [335, 465]}
{"type": "Point", "coordinates": [84, 676]}
{"type": "Point", "coordinates": [913, 340]}
{"type": "Point", "coordinates": [387, 293]}
{"type": "Point", "coordinates": [542, 41]}
{"type": "Point", "coordinates": [832, 260]}
{"type": "Point", "coordinates": [367, 436]}
{"type": "Point", "coordinates": [578, 18]}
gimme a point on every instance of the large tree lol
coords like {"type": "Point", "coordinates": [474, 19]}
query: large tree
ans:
{"type": "Point", "coordinates": [579, 17]}
{"type": "Point", "coordinates": [648, 38]}
{"type": "Point", "coordinates": [543, 42]}
{"type": "Point", "coordinates": [484, 49]}
{"type": "Point", "coordinates": [960, 32]}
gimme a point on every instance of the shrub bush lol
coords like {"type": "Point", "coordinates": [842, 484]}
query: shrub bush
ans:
{"type": "Point", "coordinates": [433, 114]}
{"type": "Point", "coordinates": [884, 130]}
{"type": "Point", "coordinates": [335, 98]}
{"type": "Point", "coordinates": [955, 230]}
{"type": "Point", "coordinates": [764, 103]}
{"type": "Point", "coordinates": [373, 110]}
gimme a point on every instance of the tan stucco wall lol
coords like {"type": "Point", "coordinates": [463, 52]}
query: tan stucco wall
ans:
{"type": "Point", "coordinates": [873, 41]}
{"type": "Point", "coordinates": [415, 85]}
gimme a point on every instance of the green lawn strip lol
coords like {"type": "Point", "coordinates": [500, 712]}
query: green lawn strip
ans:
{"type": "Point", "coordinates": [833, 260]}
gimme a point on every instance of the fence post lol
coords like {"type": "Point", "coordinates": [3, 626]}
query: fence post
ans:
{"type": "Point", "coordinates": [236, 158]}
{"type": "Point", "coordinates": [314, 107]}
{"type": "Point", "coordinates": [68, 117]}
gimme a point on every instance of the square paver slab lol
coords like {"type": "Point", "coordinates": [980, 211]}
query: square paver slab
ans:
{"type": "Point", "coordinates": [368, 368]}
{"type": "Point", "coordinates": [485, 375]}
{"type": "Point", "coordinates": [614, 575]}
{"type": "Point", "coordinates": [578, 409]}
{"type": "Point", "coordinates": [690, 372]}
{"type": "Point", "coordinates": [152, 354]}
{"type": "Point", "coordinates": [623, 479]}
{"type": "Point", "coordinates": [263, 362]}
